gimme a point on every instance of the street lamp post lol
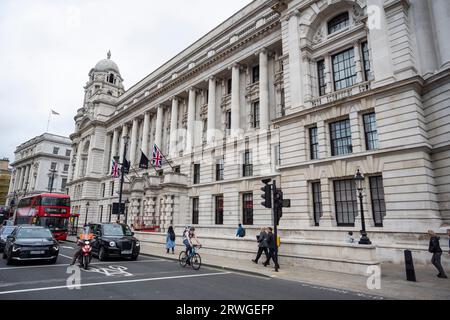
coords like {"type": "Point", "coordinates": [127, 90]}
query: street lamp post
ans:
{"type": "Point", "coordinates": [87, 212]}
{"type": "Point", "coordinates": [359, 181]}
{"type": "Point", "coordinates": [127, 204]}
{"type": "Point", "coordinates": [122, 175]}
{"type": "Point", "coordinates": [53, 171]}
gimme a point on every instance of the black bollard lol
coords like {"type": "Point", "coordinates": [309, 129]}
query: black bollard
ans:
{"type": "Point", "coordinates": [409, 263]}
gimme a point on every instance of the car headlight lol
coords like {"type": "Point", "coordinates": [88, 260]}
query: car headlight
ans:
{"type": "Point", "coordinates": [138, 243]}
{"type": "Point", "coordinates": [56, 248]}
{"type": "Point", "coordinates": [112, 244]}
{"type": "Point", "coordinates": [87, 243]}
{"type": "Point", "coordinates": [15, 248]}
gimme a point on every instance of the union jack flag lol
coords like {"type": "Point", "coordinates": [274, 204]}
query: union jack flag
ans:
{"type": "Point", "coordinates": [115, 169]}
{"type": "Point", "coordinates": [157, 157]}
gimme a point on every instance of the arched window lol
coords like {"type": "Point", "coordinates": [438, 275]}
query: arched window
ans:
{"type": "Point", "coordinates": [339, 22]}
{"type": "Point", "coordinates": [111, 78]}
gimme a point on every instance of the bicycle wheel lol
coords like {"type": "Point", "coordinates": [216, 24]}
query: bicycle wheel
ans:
{"type": "Point", "coordinates": [196, 262]}
{"type": "Point", "coordinates": [183, 259]}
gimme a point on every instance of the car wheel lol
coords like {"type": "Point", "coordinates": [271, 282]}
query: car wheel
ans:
{"type": "Point", "coordinates": [134, 258]}
{"type": "Point", "coordinates": [102, 254]}
{"type": "Point", "coordinates": [53, 261]}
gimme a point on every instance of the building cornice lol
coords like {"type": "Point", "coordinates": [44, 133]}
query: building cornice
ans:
{"type": "Point", "coordinates": [36, 157]}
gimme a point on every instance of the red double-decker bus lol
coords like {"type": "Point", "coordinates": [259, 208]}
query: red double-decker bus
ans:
{"type": "Point", "coordinates": [47, 210]}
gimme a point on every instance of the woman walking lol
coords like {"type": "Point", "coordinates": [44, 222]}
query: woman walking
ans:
{"type": "Point", "coordinates": [170, 240]}
{"type": "Point", "coordinates": [262, 246]}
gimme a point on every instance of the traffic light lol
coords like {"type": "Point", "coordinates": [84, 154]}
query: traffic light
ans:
{"type": "Point", "coordinates": [267, 195]}
{"type": "Point", "coordinates": [278, 205]}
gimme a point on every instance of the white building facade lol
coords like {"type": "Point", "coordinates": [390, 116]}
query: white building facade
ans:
{"type": "Point", "coordinates": [304, 92]}
{"type": "Point", "coordinates": [41, 165]}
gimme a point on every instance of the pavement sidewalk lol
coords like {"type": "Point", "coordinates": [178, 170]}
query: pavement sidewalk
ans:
{"type": "Point", "coordinates": [393, 282]}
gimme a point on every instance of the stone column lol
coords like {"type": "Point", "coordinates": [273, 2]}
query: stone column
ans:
{"type": "Point", "coordinates": [78, 162]}
{"type": "Point", "coordinates": [114, 143]}
{"type": "Point", "coordinates": [356, 133]}
{"type": "Point", "coordinates": [107, 154]}
{"type": "Point", "coordinates": [322, 137]}
{"type": "Point", "coordinates": [159, 127]}
{"type": "Point", "coordinates": [308, 85]}
{"type": "Point", "coordinates": [133, 145]}
{"type": "Point", "coordinates": [264, 90]}
{"type": "Point", "coordinates": [22, 178]}
{"type": "Point", "coordinates": [235, 100]}
{"type": "Point", "coordinates": [174, 127]}
{"type": "Point", "coordinates": [211, 110]}
{"type": "Point", "coordinates": [441, 15]}
{"type": "Point", "coordinates": [191, 119]}
{"type": "Point", "coordinates": [328, 74]}
{"type": "Point", "coordinates": [145, 134]}
{"type": "Point", "coordinates": [122, 141]}
{"type": "Point", "coordinates": [358, 62]}
{"type": "Point", "coordinates": [379, 42]}
{"type": "Point", "coordinates": [25, 177]}
{"type": "Point", "coordinates": [17, 179]}
{"type": "Point", "coordinates": [327, 219]}
{"type": "Point", "coordinates": [295, 68]}
{"type": "Point", "coordinates": [425, 37]}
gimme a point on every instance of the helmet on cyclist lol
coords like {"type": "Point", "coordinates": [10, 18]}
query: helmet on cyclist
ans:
{"type": "Point", "coordinates": [192, 229]}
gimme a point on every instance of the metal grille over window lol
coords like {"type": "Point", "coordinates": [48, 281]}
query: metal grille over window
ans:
{"type": "Point", "coordinates": [256, 115]}
{"type": "Point", "coordinates": [314, 142]}
{"type": "Point", "coordinates": [366, 61]}
{"type": "Point", "coordinates": [195, 211]}
{"type": "Point", "coordinates": [371, 133]}
{"type": "Point", "coordinates": [220, 170]}
{"type": "Point", "coordinates": [321, 77]}
{"type": "Point", "coordinates": [219, 210]}
{"type": "Point", "coordinates": [248, 166]}
{"type": "Point", "coordinates": [344, 69]}
{"type": "Point", "coordinates": [341, 138]}
{"type": "Point", "coordinates": [346, 202]}
{"type": "Point", "coordinates": [247, 208]}
{"type": "Point", "coordinates": [339, 22]}
{"type": "Point", "coordinates": [317, 202]}
{"type": "Point", "coordinates": [378, 200]}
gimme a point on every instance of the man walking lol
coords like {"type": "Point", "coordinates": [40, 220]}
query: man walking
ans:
{"type": "Point", "coordinates": [272, 244]}
{"type": "Point", "coordinates": [262, 246]}
{"type": "Point", "coordinates": [435, 249]}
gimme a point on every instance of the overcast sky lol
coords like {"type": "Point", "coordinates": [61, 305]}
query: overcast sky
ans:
{"type": "Point", "coordinates": [47, 49]}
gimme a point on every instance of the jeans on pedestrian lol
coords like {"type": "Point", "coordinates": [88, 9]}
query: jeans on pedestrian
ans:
{"type": "Point", "coordinates": [260, 252]}
{"type": "Point", "coordinates": [436, 261]}
{"type": "Point", "coordinates": [188, 249]}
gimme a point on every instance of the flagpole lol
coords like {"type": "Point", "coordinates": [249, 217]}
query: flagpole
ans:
{"type": "Point", "coordinates": [48, 122]}
{"type": "Point", "coordinates": [173, 170]}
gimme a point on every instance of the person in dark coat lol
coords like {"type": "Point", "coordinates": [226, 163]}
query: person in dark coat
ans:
{"type": "Point", "coordinates": [435, 249]}
{"type": "Point", "coordinates": [272, 244]}
{"type": "Point", "coordinates": [262, 245]}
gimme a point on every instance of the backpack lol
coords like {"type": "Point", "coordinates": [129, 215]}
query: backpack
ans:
{"type": "Point", "coordinates": [242, 233]}
{"type": "Point", "coordinates": [172, 236]}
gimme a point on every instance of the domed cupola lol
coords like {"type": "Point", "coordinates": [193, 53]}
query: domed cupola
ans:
{"type": "Point", "coordinates": [106, 65]}
{"type": "Point", "coordinates": [105, 78]}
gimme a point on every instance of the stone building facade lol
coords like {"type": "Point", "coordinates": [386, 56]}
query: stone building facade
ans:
{"type": "Point", "coordinates": [38, 163]}
{"type": "Point", "coordinates": [5, 178]}
{"type": "Point", "coordinates": [305, 92]}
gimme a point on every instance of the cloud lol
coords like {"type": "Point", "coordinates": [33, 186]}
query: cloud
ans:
{"type": "Point", "coordinates": [48, 47]}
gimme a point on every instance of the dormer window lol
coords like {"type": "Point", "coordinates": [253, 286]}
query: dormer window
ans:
{"type": "Point", "coordinates": [111, 78]}
{"type": "Point", "coordinates": [338, 23]}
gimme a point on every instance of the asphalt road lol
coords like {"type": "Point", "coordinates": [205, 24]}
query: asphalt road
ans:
{"type": "Point", "coordinates": [149, 279]}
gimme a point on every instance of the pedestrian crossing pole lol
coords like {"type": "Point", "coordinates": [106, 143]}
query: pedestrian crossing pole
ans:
{"type": "Point", "coordinates": [275, 222]}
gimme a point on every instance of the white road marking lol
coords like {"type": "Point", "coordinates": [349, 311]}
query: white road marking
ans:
{"type": "Point", "coordinates": [65, 265]}
{"type": "Point", "coordinates": [71, 248]}
{"type": "Point", "coordinates": [64, 256]}
{"type": "Point", "coordinates": [113, 283]}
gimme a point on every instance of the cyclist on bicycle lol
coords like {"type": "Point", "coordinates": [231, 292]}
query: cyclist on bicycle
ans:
{"type": "Point", "coordinates": [189, 237]}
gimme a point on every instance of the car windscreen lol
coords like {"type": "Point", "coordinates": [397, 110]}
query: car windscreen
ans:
{"type": "Point", "coordinates": [30, 233]}
{"type": "Point", "coordinates": [6, 231]}
{"type": "Point", "coordinates": [116, 230]}
{"type": "Point", "coordinates": [55, 202]}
